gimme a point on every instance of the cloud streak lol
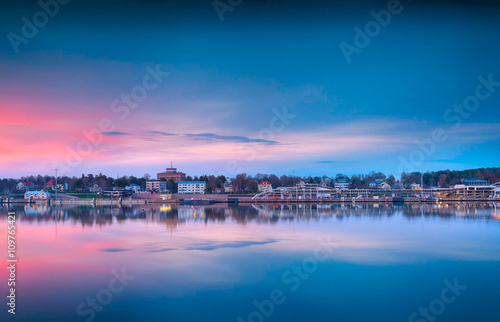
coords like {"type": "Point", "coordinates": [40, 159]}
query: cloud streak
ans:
{"type": "Point", "coordinates": [240, 139]}
{"type": "Point", "coordinates": [115, 133]}
{"type": "Point", "coordinates": [210, 137]}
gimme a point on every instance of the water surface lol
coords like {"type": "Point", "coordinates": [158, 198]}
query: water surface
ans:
{"type": "Point", "coordinates": [257, 263]}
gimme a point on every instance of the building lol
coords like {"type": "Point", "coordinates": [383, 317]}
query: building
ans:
{"type": "Point", "coordinates": [474, 182]}
{"type": "Point", "coordinates": [25, 185]}
{"type": "Point", "coordinates": [156, 185]}
{"type": "Point", "coordinates": [301, 191]}
{"type": "Point", "coordinates": [133, 187]}
{"type": "Point", "coordinates": [415, 186]}
{"type": "Point", "coordinates": [94, 188]}
{"type": "Point", "coordinates": [171, 174]}
{"type": "Point", "coordinates": [265, 186]}
{"type": "Point", "coordinates": [342, 183]}
{"type": "Point", "coordinates": [379, 184]}
{"type": "Point", "coordinates": [474, 191]}
{"type": "Point", "coordinates": [384, 185]}
{"type": "Point", "coordinates": [118, 193]}
{"type": "Point", "coordinates": [326, 182]}
{"type": "Point", "coordinates": [52, 185]}
{"type": "Point", "coordinates": [194, 187]}
{"type": "Point", "coordinates": [36, 195]}
{"type": "Point", "coordinates": [228, 188]}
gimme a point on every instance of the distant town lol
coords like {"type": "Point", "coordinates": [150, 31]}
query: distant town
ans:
{"type": "Point", "coordinates": [475, 183]}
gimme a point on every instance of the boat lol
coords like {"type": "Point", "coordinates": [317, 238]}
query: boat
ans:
{"type": "Point", "coordinates": [232, 200]}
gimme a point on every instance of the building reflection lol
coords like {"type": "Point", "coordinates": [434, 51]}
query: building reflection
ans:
{"type": "Point", "coordinates": [173, 216]}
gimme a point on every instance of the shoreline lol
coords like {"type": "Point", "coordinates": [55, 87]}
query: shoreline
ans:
{"type": "Point", "coordinates": [243, 201]}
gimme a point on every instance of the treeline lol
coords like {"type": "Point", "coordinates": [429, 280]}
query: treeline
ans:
{"type": "Point", "coordinates": [448, 178]}
{"type": "Point", "coordinates": [244, 183]}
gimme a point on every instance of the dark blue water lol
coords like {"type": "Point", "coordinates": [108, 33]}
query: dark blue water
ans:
{"type": "Point", "coordinates": [256, 263]}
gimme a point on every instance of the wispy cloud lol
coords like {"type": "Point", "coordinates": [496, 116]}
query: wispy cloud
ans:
{"type": "Point", "coordinates": [241, 139]}
{"type": "Point", "coordinates": [161, 133]}
{"type": "Point", "coordinates": [210, 137]}
{"type": "Point", "coordinates": [115, 133]}
{"type": "Point", "coordinates": [330, 162]}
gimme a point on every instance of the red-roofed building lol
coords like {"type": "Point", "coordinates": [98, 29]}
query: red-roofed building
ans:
{"type": "Point", "coordinates": [265, 186]}
{"type": "Point", "coordinates": [52, 185]}
{"type": "Point", "coordinates": [172, 174]}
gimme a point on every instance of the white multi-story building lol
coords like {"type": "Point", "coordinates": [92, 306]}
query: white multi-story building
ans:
{"type": "Point", "coordinates": [342, 183]}
{"type": "Point", "coordinates": [265, 186]}
{"type": "Point", "coordinates": [194, 187]}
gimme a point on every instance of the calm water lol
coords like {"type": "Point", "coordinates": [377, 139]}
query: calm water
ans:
{"type": "Point", "coordinates": [257, 263]}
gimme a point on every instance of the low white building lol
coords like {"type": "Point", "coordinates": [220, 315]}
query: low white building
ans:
{"type": "Point", "coordinates": [133, 187]}
{"type": "Point", "coordinates": [194, 187]}
{"type": "Point", "coordinates": [36, 195]}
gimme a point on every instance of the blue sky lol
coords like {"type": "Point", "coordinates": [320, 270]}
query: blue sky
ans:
{"type": "Point", "coordinates": [226, 80]}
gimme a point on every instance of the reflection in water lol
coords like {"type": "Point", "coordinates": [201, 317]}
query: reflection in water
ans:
{"type": "Point", "coordinates": [173, 215]}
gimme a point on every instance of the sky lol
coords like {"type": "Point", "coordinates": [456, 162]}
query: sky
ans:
{"type": "Point", "coordinates": [223, 87]}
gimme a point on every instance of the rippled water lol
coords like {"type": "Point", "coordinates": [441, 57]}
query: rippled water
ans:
{"type": "Point", "coordinates": [256, 263]}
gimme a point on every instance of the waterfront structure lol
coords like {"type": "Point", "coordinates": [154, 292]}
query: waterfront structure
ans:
{"type": "Point", "coordinates": [265, 186]}
{"type": "Point", "coordinates": [36, 195]}
{"type": "Point", "coordinates": [315, 192]}
{"type": "Point", "coordinates": [171, 174]}
{"type": "Point", "coordinates": [156, 185]}
{"type": "Point", "coordinates": [194, 187]}
{"type": "Point", "coordinates": [118, 193]}
{"type": "Point", "coordinates": [342, 183]}
{"type": "Point", "coordinates": [474, 192]}
{"type": "Point", "coordinates": [496, 190]}
{"type": "Point", "coordinates": [301, 191]}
